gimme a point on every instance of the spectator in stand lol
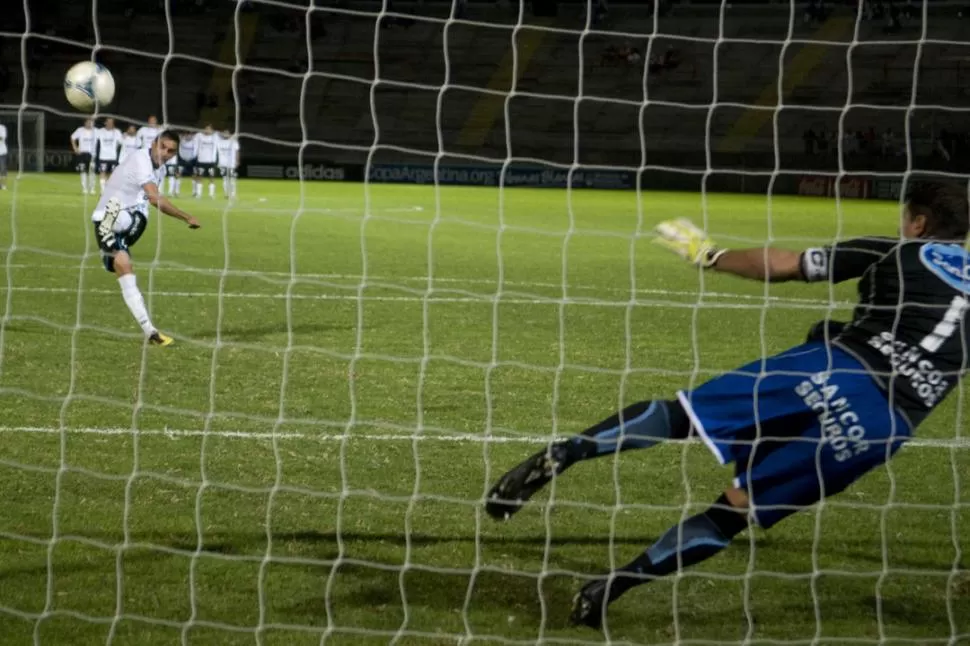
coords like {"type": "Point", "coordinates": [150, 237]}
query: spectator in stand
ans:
{"type": "Point", "coordinates": [671, 58]}
{"type": "Point", "coordinates": [861, 144]}
{"type": "Point", "coordinates": [808, 138]}
{"type": "Point", "coordinates": [940, 146]}
{"type": "Point", "coordinates": [889, 143]}
{"type": "Point", "coordinates": [822, 141]}
{"type": "Point", "coordinates": [815, 12]}
{"type": "Point", "coordinates": [849, 144]}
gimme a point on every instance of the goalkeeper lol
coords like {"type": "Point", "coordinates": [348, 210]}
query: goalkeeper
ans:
{"type": "Point", "coordinates": [804, 424]}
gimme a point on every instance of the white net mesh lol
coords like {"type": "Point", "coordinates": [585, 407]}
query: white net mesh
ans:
{"type": "Point", "coordinates": [356, 363]}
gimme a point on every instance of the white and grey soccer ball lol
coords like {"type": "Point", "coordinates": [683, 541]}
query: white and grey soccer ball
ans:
{"type": "Point", "coordinates": [89, 86]}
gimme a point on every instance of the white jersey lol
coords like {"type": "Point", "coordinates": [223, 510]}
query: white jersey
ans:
{"type": "Point", "coordinates": [146, 135]}
{"type": "Point", "coordinates": [228, 152]}
{"type": "Point", "coordinates": [187, 148]}
{"type": "Point", "coordinates": [3, 139]}
{"type": "Point", "coordinates": [108, 143]}
{"type": "Point", "coordinates": [127, 184]}
{"type": "Point", "coordinates": [85, 139]}
{"type": "Point", "coordinates": [129, 144]}
{"type": "Point", "coordinates": [207, 148]}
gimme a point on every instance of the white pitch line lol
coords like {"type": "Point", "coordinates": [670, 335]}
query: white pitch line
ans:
{"type": "Point", "coordinates": [507, 285]}
{"type": "Point", "coordinates": [507, 298]}
{"type": "Point", "coordinates": [175, 434]}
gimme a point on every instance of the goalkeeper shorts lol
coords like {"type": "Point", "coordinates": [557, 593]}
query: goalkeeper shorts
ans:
{"type": "Point", "coordinates": [799, 426]}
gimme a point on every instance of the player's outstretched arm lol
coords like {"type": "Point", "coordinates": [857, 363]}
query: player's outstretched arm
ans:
{"type": "Point", "coordinates": [165, 206]}
{"type": "Point", "coordinates": [760, 263]}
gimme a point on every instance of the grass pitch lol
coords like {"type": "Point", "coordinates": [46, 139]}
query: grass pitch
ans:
{"type": "Point", "coordinates": [356, 364]}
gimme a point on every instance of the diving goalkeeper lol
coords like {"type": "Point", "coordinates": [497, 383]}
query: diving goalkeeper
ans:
{"type": "Point", "coordinates": [804, 424]}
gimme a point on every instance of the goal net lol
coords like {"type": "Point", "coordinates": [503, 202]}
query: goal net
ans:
{"type": "Point", "coordinates": [25, 140]}
{"type": "Point", "coordinates": [356, 362]}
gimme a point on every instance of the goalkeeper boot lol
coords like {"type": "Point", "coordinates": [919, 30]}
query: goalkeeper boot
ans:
{"type": "Point", "coordinates": [521, 483]}
{"type": "Point", "coordinates": [589, 604]}
{"type": "Point", "coordinates": [161, 340]}
{"type": "Point", "coordinates": [592, 600]}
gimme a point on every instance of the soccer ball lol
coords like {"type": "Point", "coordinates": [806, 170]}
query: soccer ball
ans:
{"type": "Point", "coordinates": [88, 86]}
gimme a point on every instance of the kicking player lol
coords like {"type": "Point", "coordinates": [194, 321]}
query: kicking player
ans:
{"type": "Point", "coordinates": [83, 141]}
{"type": "Point", "coordinates": [806, 423]}
{"type": "Point", "coordinates": [228, 163]}
{"type": "Point", "coordinates": [121, 216]}
{"type": "Point", "coordinates": [109, 147]}
{"type": "Point", "coordinates": [206, 159]}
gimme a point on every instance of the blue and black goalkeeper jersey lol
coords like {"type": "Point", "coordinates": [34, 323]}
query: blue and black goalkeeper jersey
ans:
{"type": "Point", "coordinates": [911, 328]}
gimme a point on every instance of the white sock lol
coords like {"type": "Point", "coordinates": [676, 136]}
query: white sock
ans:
{"type": "Point", "coordinates": [178, 185]}
{"type": "Point", "coordinates": [135, 302]}
{"type": "Point", "coordinates": [102, 184]}
{"type": "Point", "coordinates": [84, 181]}
{"type": "Point", "coordinates": [232, 186]}
{"type": "Point", "coordinates": [212, 189]}
{"type": "Point", "coordinates": [225, 186]}
{"type": "Point", "coordinates": [196, 188]}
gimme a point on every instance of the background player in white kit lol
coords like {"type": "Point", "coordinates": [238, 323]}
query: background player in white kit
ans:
{"type": "Point", "coordinates": [172, 173]}
{"type": "Point", "coordinates": [186, 156]}
{"type": "Point", "coordinates": [121, 216]}
{"type": "Point", "coordinates": [3, 157]}
{"type": "Point", "coordinates": [109, 147]}
{"type": "Point", "coordinates": [228, 163]}
{"type": "Point", "coordinates": [129, 143]}
{"type": "Point", "coordinates": [206, 158]}
{"type": "Point", "coordinates": [83, 141]}
{"type": "Point", "coordinates": [147, 134]}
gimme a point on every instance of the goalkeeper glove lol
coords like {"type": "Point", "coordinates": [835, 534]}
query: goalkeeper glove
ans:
{"type": "Point", "coordinates": [688, 241]}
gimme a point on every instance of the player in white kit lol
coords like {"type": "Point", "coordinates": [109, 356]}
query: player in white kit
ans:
{"type": "Point", "coordinates": [147, 134]}
{"type": "Point", "coordinates": [129, 143]}
{"type": "Point", "coordinates": [121, 216]}
{"type": "Point", "coordinates": [186, 156]}
{"type": "Point", "coordinates": [206, 158]}
{"type": "Point", "coordinates": [83, 141]}
{"type": "Point", "coordinates": [172, 173]}
{"type": "Point", "coordinates": [228, 163]}
{"type": "Point", "coordinates": [3, 157]}
{"type": "Point", "coordinates": [109, 147]}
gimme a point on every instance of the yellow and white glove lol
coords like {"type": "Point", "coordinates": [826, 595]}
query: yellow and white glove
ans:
{"type": "Point", "coordinates": [688, 241]}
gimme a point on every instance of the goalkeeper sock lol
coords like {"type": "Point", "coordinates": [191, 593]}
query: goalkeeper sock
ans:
{"type": "Point", "coordinates": [135, 302]}
{"type": "Point", "coordinates": [639, 426]}
{"type": "Point", "coordinates": [696, 539]}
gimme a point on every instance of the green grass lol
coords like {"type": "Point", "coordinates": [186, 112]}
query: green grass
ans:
{"type": "Point", "coordinates": [309, 460]}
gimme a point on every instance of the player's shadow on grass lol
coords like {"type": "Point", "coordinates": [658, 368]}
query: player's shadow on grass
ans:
{"type": "Point", "coordinates": [443, 595]}
{"type": "Point", "coordinates": [239, 334]}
